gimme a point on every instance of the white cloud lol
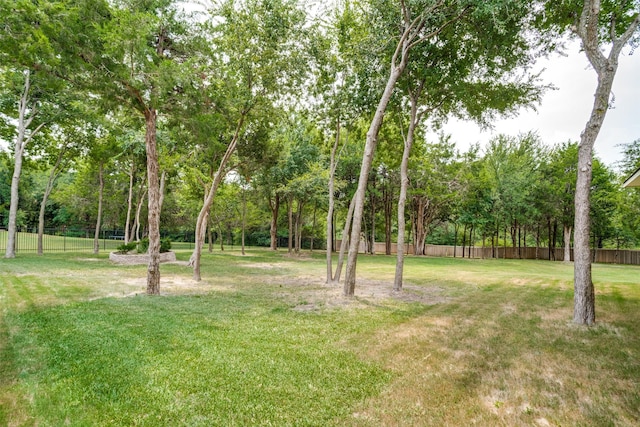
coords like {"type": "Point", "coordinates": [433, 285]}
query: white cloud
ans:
{"type": "Point", "coordinates": [565, 111]}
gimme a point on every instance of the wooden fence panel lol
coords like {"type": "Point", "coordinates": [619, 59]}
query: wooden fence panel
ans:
{"type": "Point", "coordinates": [608, 256]}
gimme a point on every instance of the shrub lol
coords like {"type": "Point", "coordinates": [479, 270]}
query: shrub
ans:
{"type": "Point", "coordinates": [143, 245]}
{"type": "Point", "coordinates": [165, 245]}
{"type": "Point", "coordinates": [126, 247]}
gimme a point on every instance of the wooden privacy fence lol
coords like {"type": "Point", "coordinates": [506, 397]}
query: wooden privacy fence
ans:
{"type": "Point", "coordinates": [608, 256]}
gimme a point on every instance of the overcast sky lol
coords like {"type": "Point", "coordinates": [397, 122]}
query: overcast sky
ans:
{"type": "Point", "coordinates": [564, 112]}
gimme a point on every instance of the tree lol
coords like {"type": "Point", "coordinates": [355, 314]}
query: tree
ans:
{"type": "Point", "coordinates": [256, 60]}
{"type": "Point", "coordinates": [598, 26]}
{"type": "Point", "coordinates": [139, 56]}
{"type": "Point", "coordinates": [421, 22]}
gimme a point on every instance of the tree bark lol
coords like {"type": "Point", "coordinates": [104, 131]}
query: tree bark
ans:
{"type": "Point", "coordinates": [567, 243]}
{"type": "Point", "coordinates": [404, 186]}
{"type": "Point", "coordinates": [55, 171]}
{"type": "Point", "coordinates": [96, 237]}
{"type": "Point", "coordinates": [388, 214]}
{"type": "Point", "coordinates": [332, 202]}
{"type": "Point", "coordinates": [153, 188]}
{"type": "Point", "coordinates": [397, 68]}
{"type": "Point", "coordinates": [290, 218]}
{"type": "Point", "coordinates": [273, 231]}
{"type": "Point", "coordinates": [201, 223]}
{"type": "Point", "coordinates": [24, 121]}
{"type": "Point", "coordinates": [127, 223]}
{"type": "Point", "coordinates": [605, 67]}
{"type": "Point", "coordinates": [244, 218]}
{"type": "Point", "coordinates": [344, 244]}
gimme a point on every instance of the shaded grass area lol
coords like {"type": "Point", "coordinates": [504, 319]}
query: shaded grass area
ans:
{"type": "Point", "coordinates": [498, 349]}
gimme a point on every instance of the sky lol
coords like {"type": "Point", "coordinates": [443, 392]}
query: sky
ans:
{"type": "Point", "coordinates": [563, 113]}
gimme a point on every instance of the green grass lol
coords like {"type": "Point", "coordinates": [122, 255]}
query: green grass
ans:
{"type": "Point", "coordinates": [262, 341]}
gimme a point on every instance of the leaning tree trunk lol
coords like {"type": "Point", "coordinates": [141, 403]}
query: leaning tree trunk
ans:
{"type": "Point", "coordinates": [344, 244]}
{"type": "Point", "coordinates": [55, 170]}
{"type": "Point", "coordinates": [605, 67]}
{"type": "Point", "coordinates": [201, 223]}
{"type": "Point", "coordinates": [153, 188]}
{"type": "Point", "coordinates": [96, 236]}
{"type": "Point", "coordinates": [397, 68]}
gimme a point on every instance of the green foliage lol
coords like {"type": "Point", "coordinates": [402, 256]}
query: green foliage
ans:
{"type": "Point", "coordinates": [127, 247]}
{"type": "Point", "coordinates": [143, 245]}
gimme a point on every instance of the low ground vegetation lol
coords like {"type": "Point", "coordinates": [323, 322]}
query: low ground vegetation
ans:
{"type": "Point", "coordinates": [261, 340]}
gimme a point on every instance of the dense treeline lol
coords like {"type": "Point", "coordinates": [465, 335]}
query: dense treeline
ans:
{"type": "Point", "coordinates": [517, 192]}
{"type": "Point", "coordinates": [266, 119]}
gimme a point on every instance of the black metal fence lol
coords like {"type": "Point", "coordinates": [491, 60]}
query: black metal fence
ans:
{"type": "Point", "coordinates": [78, 240]}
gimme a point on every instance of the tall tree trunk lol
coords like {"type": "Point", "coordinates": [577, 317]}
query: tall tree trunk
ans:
{"type": "Point", "coordinates": [298, 227]}
{"type": "Point", "coordinates": [388, 213]}
{"type": "Point", "coordinates": [24, 121]}
{"type": "Point", "coordinates": [397, 68]}
{"type": "Point", "coordinates": [96, 237]}
{"type": "Point", "coordinates": [605, 67]}
{"type": "Point", "coordinates": [372, 234]}
{"type": "Point", "coordinates": [290, 218]}
{"type": "Point", "coordinates": [244, 217]}
{"type": "Point", "coordinates": [127, 223]}
{"type": "Point", "coordinates": [567, 243]}
{"type": "Point", "coordinates": [414, 118]}
{"type": "Point", "coordinates": [332, 203]}
{"type": "Point", "coordinates": [201, 223]}
{"type": "Point", "coordinates": [55, 171]}
{"type": "Point", "coordinates": [136, 222]}
{"type": "Point", "coordinates": [313, 225]}
{"type": "Point", "coordinates": [273, 231]}
{"type": "Point", "coordinates": [210, 237]}
{"type": "Point", "coordinates": [344, 244]}
{"type": "Point", "coordinates": [153, 188]}
{"type": "Point", "coordinates": [464, 239]}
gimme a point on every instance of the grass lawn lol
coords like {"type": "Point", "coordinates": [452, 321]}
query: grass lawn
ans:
{"type": "Point", "coordinates": [263, 341]}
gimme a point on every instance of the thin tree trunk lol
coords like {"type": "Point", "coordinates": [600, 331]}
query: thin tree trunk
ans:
{"type": "Point", "coordinates": [290, 217]}
{"type": "Point", "coordinates": [273, 231]}
{"type": "Point", "coordinates": [55, 171]}
{"type": "Point", "coordinates": [344, 244]}
{"type": "Point", "coordinates": [127, 223]}
{"type": "Point", "coordinates": [605, 67]}
{"type": "Point", "coordinates": [96, 237]}
{"type": "Point", "coordinates": [24, 121]}
{"type": "Point", "coordinates": [153, 188]}
{"type": "Point", "coordinates": [201, 223]}
{"type": "Point", "coordinates": [244, 218]}
{"type": "Point", "coordinates": [414, 118]}
{"type": "Point", "coordinates": [209, 237]}
{"type": "Point", "coordinates": [138, 212]}
{"type": "Point", "coordinates": [464, 239]}
{"type": "Point", "coordinates": [313, 225]}
{"type": "Point", "coordinates": [332, 202]}
{"type": "Point", "coordinates": [397, 68]}
{"type": "Point", "coordinates": [567, 243]}
{"type": "Point", "coordinates": [298, 227]}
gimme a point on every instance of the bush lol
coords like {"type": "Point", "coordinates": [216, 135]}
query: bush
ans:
{"type": "Point", "coordinates": [165, 245]}
{"type": "Point", "coordinates": [127, 247]}
{"type": "Point", "coordinates": [143, 245]}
